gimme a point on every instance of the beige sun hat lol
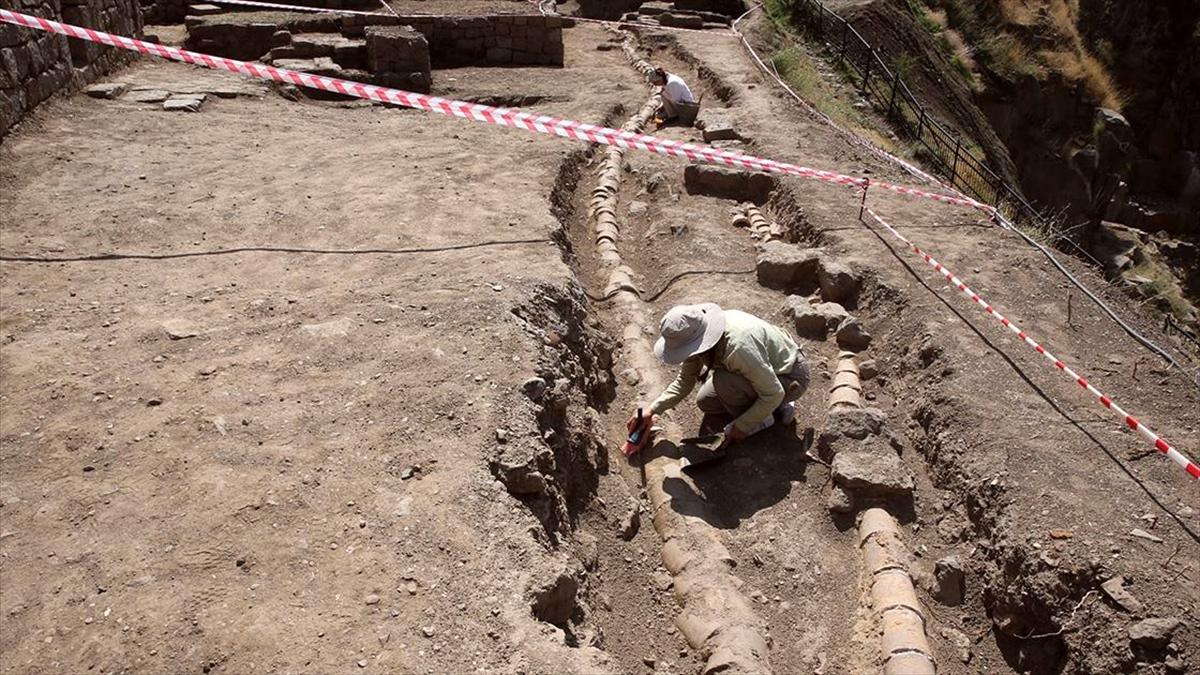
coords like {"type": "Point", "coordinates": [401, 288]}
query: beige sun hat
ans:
{"type": "Point", "coordinates": [687, 330]}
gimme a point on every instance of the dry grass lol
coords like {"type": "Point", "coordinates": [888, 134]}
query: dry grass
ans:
{"type": "Point", "coordinates": [1090, 72]}
{"type": "Point", "coordinates": [1054, 19]}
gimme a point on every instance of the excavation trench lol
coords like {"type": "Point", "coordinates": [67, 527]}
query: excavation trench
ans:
{"type": "Point", "coordinates": [756, 575]}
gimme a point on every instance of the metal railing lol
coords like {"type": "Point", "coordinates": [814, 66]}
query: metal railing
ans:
{"type": "Point", "coordinates": [886, 89]}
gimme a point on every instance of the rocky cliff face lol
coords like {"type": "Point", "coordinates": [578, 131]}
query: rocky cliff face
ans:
{"type": "Point", "coordinates": [1090, 105]}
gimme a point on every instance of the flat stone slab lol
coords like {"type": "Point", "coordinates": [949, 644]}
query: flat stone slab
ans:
{"type": "Point", "coordinates": [108, 90]}
{"type": "Point", "coordinates": [189, 103]}
{"type": "Point", "coordinates": [147, 96]}
{"type": "Point", "coordinates": [204, 10]}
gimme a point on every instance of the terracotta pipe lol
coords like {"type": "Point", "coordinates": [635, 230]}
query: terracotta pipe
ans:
{"type": "Point", "coordinates": [904, 642]}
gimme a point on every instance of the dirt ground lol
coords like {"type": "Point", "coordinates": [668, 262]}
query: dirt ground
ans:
{"type": "Point", "coordinates": [267, 371]}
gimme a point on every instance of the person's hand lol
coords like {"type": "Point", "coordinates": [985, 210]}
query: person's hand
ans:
{"type": "Point", "coordinates": [734, 433]}
{"type": "Point", "coordinates": [647, 419]}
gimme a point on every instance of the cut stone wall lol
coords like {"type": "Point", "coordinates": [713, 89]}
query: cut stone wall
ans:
{"type": "Point", "coordinates": [35, 64]}
{"type": "Point", "coordinates": [398, 56]}
{"type": "Point", "coordinates": [454, 41]}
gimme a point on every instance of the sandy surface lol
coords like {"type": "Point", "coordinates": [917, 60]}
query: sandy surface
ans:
{"type": "Point", "coordinates": [254, 361]}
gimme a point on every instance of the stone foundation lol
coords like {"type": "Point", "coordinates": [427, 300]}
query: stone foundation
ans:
{"type": "Point", "coordinates": [454, 41]}
{"type": "Point", "coordinates": [35, 64]}
{"type": "Point", "coordinates": [398, 56]}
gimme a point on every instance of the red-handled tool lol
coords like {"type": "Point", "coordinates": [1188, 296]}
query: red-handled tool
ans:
{"type": "Point", "coordinates": [639, 433]}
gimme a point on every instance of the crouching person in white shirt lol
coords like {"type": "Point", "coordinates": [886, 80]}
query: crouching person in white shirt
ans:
{"type": "Point", "coordinates": [678, 104]}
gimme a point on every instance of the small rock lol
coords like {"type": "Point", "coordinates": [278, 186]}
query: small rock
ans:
{"type": "Point", "coordinates": [177, 329]}
{"type": "Point", "coordinates": [649, 661]}
{"type": "Point", "coordinates": [1115, 589]}
{"type": "Point", "coordinates": [427, 631]}
{"type": "Point", "coordinates": [362, 663]}
{"type": "Point", "coordinates": [502, 435]}
{"type": "Point", "coordinates": [631, 377]}
{"type": "Point", "coordinates": [1061, 534]}
{"type": "Point", "coordinates": [949, 581]}
{"type": "Point", "coordinates": [637, 208]}
{"type": "Point", "coordinates": [154, 401]}
{"type": "Point", "coordinates": [840, 501]}
{"type": "Point", "coordinates": [867, 370]}
{"type": "Point", "coordinates": [409, 471]}
{"type": "Point", "coordinates": [534, 388]}
{"type": "Point", "coordinates": [1154, 633]}
{"type": "Point", "coordinates": [1142, 534]}
{"type": "Point", "coordinates": [371, 599]}
{"type": "Point", "coordinates": [631, 521]}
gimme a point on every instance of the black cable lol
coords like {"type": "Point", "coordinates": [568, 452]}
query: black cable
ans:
{"type": "Point", "coordinates": [1133, 333]}
{"type": "Point", "coordinates": [99, 257]}
{"type": "Point", "coordinates": [670, 282]}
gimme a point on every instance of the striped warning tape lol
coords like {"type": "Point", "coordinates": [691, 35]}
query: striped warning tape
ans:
{"type": "Point", "coordinates": [507, 117]}
{"type": "Point", "coordinates": [1132, 422]}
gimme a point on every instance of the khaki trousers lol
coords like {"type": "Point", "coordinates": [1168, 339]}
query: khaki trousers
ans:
{"type": "Point", "coordinates": [726, 393]}
{"type": "Point", "coordinates": [683, 113]}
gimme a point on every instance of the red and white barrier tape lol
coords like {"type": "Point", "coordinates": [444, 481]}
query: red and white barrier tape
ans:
{"type": "Point", "coordinates": [1130, 421]}
{"type": "Point", "coordinates": [544, 124]}
{"type": "Point", "coordinates": [298, 8]}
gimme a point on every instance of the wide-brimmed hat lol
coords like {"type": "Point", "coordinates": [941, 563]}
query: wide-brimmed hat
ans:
{"type": "Point", "coordinates": [687, 330]}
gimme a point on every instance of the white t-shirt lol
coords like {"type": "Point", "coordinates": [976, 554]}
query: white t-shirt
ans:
{"type": "Point", "coordinates": [677, 90]}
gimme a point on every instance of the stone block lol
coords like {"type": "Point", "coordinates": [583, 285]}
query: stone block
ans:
{"type": "Point", "coordinates": [787, 266]}
{"type": "Point", "coordinates": [849, 428]}
{"type": "Point", "coordinates": [814, 321]}
{"type": "Point", "coordinates": [716, 181]}
{"type": "Point", "coordinates": [204, 10]}
{"type": "Point", "coordinates": [190, 103]}
{"type": "Point", "coordinates": [872, 474]}
{"type": "Point", "coordinates": [680, 20]}
{"type": "Point", "coordinates": [147, 96]}
{"type": "Point", "coordinates": [851, 335]}
{"type": "Point", "coordinates": [838, 282]}
{"type": "Point", "coordinates": [499, 55]}
{"type": "Point", "coordinates": [652, 8]}
{"type": "Point", "coordinates": [716, 127]}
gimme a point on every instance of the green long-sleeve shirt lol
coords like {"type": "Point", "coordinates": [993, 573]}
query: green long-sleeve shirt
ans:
{"type": "Point", "coordinates": [750, 347]}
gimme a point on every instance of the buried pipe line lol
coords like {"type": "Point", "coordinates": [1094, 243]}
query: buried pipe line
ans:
{"type": "Point", "coordinates": [715, 617]}
{"type": "Point", "coordinates": [905, 645]}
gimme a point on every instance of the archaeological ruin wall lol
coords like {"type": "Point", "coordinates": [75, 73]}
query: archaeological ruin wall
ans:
{"type": "Point", "coordinates": [34, 64]}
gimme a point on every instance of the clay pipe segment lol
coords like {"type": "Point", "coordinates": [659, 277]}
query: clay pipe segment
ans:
{"type": "Point", "coordinates": [846, 389]}
{"type": "Point", "coordinates": [904, 643]}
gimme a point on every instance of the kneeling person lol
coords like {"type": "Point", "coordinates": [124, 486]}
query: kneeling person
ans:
{"type": "Point", "coordinates": [678, 104]}
{"type": "Point", "coordinates": [756, 370]}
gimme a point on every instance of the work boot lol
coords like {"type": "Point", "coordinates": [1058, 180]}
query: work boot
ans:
{"type": "Point", "coordinates": [786, 412]}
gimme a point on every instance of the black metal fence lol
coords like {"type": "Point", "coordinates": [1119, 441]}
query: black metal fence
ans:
{"type": "Point", "coordinates": [886, 89]}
